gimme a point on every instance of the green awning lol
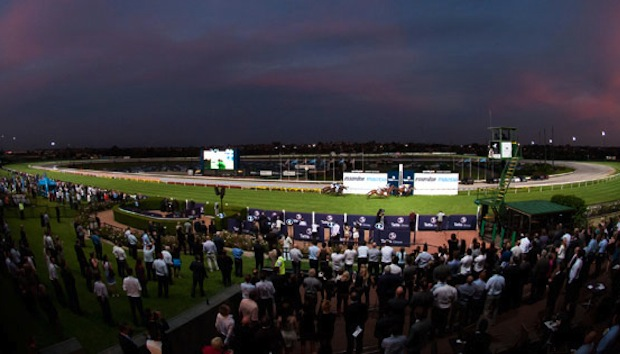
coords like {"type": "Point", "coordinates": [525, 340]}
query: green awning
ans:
{"type": "Point", "coordinates": [538, 207]}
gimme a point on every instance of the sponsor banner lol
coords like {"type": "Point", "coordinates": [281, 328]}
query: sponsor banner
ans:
{"type": "Point", "coordinates": [436, 184]}
{"type": "Point", "coordinates": [272, 215]}
{"type": "Point", "coordinates": [327, 220]}
{"type": "Point", "coordinates": [396, 222]}
{"type": "Point", "coordinates": [462, 222]}
{"type": "Point", "coordinates": [266, 173]}
{"type": "Point", "coordinates": [234, 225]}
{"type": "Point", "coordinates": [427, 222]}
{"type": "Point", "coordinates": [362, 183]}
{"type": "Point", "coordinates": [303, 233]}
{"type": "Point", "coordinates": [301, 219]}
{"type": "Point", "coordinates": [365, 222]}
{"type": "Point", "coordinates": [396, 237]}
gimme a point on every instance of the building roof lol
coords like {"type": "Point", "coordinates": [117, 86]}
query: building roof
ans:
{"type": "Point", "coordinates": [538, 207]}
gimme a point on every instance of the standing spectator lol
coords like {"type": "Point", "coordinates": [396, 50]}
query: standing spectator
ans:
{"type": "Point", "coordinates": [181, 238]}
{"type": "Point", "coordinates": [225, 263]}
{"type": "Point", "coordinates": [121, 259]}
{"type": "Point", "coordinates": [132, 287]}
{"type": "Point", "coordinates": [286, 247]}
{"type": "Point", "coordinates": [266, 292]}
{"type": "Point", "coordinates": [176, 260]}
{"type": "Point", "coordinates": [313, 255]}
{"type": "Point", "coordinates": [110, 277]}
{"type": "Point", "coordinates": [210, 251]}
{"type": "Point", "coordinates": [247, 287]}
{"type": "Point", "coordinates": [128, 346]}
{"type": "Point", "coordinates": [296, 257]}
{"type": "Point", "coordinates": [198, 275]}
{"type": "Point", "coordinates": [307, 328]}
{"type": "Point", "coordinates": [167, 257]}
{"type": "Point", "coordinates": [81, 258]}
{"type": "Point", "coordinates": [440, 216]}
{"type": "Point", "coordinates": [325, 327]}
{"type": "Point", "coordinates": [387, 252]}
{"type": "Point", "coordinates": [395, 343]}
{"type": "Point", "coordinates": [225, 323]}
{"type": "Point", "coordinates": [72, 294]}
{"type": "Point", "coordinates": [445, 295]}
{"type": "Point", "coordinates": [349, 258]}
{"type": "Point", "coordinates": [219, 241]}
{"type": "Point", "coordinates": [149, 258]}
{"type": "Point", "coordinates": [161, 272]}
{"type": "Point", "coordinates": [96, 240]}
{"type": "Point", "coordinates": [312, 286]}
{"type": "Point", "coordinates": [419, 332]}
{"type": "Point", "coordinates": [259, 253]}
{"type": "Point", "coordinates": [141, 275]}
{"type": "Point", "coordinates": [101, 292]}
{"type": "Point", "coordinates": [132, 243]}
{"type": "Point", "coordinates": [355, 318]}
{"type": "Point", "coordinates": [343, 283]}
{"type": "Point", "coordinates": [53, 269]}
{"type": "Point", "coordinates": [238, 258]}
{"type": "Point", "coordinates": [374, 256]}
{"type": "Point", "coordinates": [494, 288]}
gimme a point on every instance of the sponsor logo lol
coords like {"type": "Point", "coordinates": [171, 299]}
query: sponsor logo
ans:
{"type": "Point", "coordinates": [290, 222]}
{"type": "Point", "coordinates": [400, 220]}
{"type": "Point", "coordinates": [298, 217]}
{"type": "Point", "coordinates": [308, 231]}
{"type": "Point", "coordinates": [392, 236]}
{"type": "Point", "coordinates": [379, 226]}
{"type": "Point", "coordinates": [361, 220]}
{"type": "Point", "coordinates": [329, 218]}
{"type": "Point", "coordinates": [250, 218]}
{"type": "Point", "coordinates": [433, 220]}
{"type": "Point", "coordinates": [463, 220]}
{"type": "Point", "coordinates": [256, 213]}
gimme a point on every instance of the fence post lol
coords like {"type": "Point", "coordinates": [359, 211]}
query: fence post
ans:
{"type": "Point", "coordinates": [514, 238]}
{"type": "Point", "coordinates": [502, 235]}
{"type": "Point", "coordinates": [482, 226]}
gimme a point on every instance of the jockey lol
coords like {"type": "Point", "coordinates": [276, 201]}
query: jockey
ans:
{"type": "Point", "coordinates": [337, 187]}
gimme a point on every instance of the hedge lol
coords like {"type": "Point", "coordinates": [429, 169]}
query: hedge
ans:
{"type": "Point", "coordinates": [141, 221]}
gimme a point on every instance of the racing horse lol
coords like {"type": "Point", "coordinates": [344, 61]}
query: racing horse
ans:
{"type": "Point", "coordinates": [334, 189]}
{"type": "Point", "coordinates": [404, 191]}
{"type": "Point", "coordinates": [381, 192]}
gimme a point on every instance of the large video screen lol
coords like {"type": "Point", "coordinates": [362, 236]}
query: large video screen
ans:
{"type": "Point", "coordinates": [216, 159]}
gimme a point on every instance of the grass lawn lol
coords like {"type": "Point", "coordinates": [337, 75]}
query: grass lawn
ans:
{"type": "Point", "coordinates": [90, 329]}
{"type": "Point", "coordinates": [592, 193]}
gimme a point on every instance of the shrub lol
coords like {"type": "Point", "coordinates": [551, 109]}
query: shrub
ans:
{"type": "Point", "coordinates": [580, 217]}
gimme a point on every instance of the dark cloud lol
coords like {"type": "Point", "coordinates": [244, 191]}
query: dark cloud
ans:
{"type": "Point", "coordinates": [155, 73]}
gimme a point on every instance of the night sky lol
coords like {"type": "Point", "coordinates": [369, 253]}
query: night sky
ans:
{"type": "Point", "coordinates": [199, 73]}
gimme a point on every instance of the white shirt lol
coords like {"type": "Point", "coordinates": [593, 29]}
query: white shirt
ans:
{"type": "Point", "coordinates": [337, 261]}
{"type": "Point", "coordinates": [362, 252]}
{"type": "Point", "coordinates": [479, 263]}
{"type": "Point", "coordinates": [575, 270]}
{"type": "Point", "coordinates": [495, 285]}
{"type": "Point", "coordinates": [132, 286]}
{"type": "Point", "coordinates": [444, 295]}
{"type": "Point", "coordinates": [296, 255]}
{"type": "Point", "coordinates": [100, 289]}
{"type": "Point", "coordinates": [167, 256]}
{"type": "Point", "coordinates": [516, 252]}
{"type": "Point", "coordinates": [160, 267]}
{"type": "Point", "coordinates": [335, 229]}
{"type": "Point", "coordinates": [526, 245]}
{"type": "Point", "coordinates": [466, 263]}
{"type": "Point", "coordinates": [386, 254]}
{"type": "Point", "coordinates": [349, 257]}
{"type": "Point", "coordinates": [119, 253]}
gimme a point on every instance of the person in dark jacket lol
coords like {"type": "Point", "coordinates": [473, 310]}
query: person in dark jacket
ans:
{"type": "Point", "coordinates": [355, 317]}
{"type": "Point", "coordinates": [199, 274]}
{"type": "Point", "coordinates": [225, 262]}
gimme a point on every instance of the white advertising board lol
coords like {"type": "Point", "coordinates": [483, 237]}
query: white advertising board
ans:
{"type": "Point", "coordinates": [436, 184]}
{"type": "Point", "coordinates": [362, 183]}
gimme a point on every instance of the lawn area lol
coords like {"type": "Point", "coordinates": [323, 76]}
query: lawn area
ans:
{"type": "Point", "coordinates": [603, 191]}
{"type": "Point", "coordinates": [89, 328]}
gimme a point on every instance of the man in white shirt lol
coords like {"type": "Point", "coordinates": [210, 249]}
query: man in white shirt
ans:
{"type": "Point", "coordinates": [161, 272]}
{"type": "Point", "coordinates": [337, 261]}
{"type": "Point", "coordinates": [573, 283]}
{"type": "Point", "coordinates": [444, 296]}
{"type": "Point", "coordinates": [525, 244]}
{"type": "Point", "coordinates": [387, 252]}
{"type": "Point", "coordinates": [210, 251]}
{"type": "Point", "coordinates": [494, 288]}
{"type": "Point", "coordinates": [132, 242]}
{"type": "Point", "coordinates": [362, 254]}
{"type": "Point", "coordinates": [167, 256]}
{"type": "Point", "coordinates": [286, 247]}
{"type": "Point", "coordinates": [466, 262]}
{"type": "Point", "coordinates": [349, 258]}
{"type": "Point", "coordinates": [101, 292]}
{"type": "Point", "coordinates": [132, 287]}
{"type": "Point", "coordinates": [121, 259]}
{"type": "Point", "coordinates": [335, 232]}
{"type": "Point", "coordinates": [296, 257]}
{"type": "Point", "coordinates": [313, 256]}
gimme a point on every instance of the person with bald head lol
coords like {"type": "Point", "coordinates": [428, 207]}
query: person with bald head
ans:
{"type": "Point", "coordinates": [397, 306]}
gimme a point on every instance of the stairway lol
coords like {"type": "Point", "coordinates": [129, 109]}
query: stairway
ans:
{"type": "Point", "coordinates": [506, 178]}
